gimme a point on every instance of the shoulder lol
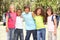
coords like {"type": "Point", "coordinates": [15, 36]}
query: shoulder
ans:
{"type": "Point", "coordinates": [41, 16]}
{"type": "Point", "coordinates": [53, 16]}
{"type": "Point", "coordinates": [30, 12]}
{"type": "Point", "coordinates": [23, 13]}
{"type": "Point", "coordinates": [7, 14]}
{"type": "Point", "coordinates": [21, 16]}
{"type": "Point", "coordinates": [35, 17]}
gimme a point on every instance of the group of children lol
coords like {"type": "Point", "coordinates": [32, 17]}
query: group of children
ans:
{"type": "Point", "coordinates": [34, 23]}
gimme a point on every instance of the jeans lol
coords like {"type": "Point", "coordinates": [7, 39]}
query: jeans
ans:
{"type": "Point", "coordinates": [18, 33]}
{"type": "Point", "coordinates": [41, 34]}
{"type": "Point", "coordinates": [11, 34]}
{"type": "Point", "coordinates": [28, 33]}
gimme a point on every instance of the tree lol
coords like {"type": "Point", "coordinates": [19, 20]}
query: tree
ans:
{"type": "Point", "coordinates": [4, 4]}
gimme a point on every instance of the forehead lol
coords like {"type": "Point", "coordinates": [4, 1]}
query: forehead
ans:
{"type": "Point", "coordinates": [18, 10]}
{"type": "Point", "coordinates": [39, 9]}
{"type": "Point", "coordinates": [49, 9]}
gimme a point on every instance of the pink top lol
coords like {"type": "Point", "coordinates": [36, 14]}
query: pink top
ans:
{"type": "Point", "coordinates": [12, 20]}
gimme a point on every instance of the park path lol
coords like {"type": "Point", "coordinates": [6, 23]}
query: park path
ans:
{"type": "Point", "coordinates": [3, 34]}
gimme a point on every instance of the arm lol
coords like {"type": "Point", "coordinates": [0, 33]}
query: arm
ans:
{"type": "Point", "coordinates": [6, 23]}
{"type": "Point", "coordinates": [33, 14]}
{"type": "Point", "coordinates": [55, 26]}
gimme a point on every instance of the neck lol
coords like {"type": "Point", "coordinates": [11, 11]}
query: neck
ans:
{"type": "Point", "coordinates": [49, 15]}
{"type": "Point", "coordinates": [38, 15]}
{"type": "Point", "coordinates": [18, 15]}
{"type": "Point", "coordinates": [26, 12]}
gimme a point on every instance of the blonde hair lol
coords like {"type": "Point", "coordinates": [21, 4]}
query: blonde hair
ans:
{"type": "Point", "coordinates": [13, 6]}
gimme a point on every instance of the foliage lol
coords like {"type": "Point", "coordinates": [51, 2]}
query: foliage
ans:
{"type": "Point", "coordinates": [4, 4]}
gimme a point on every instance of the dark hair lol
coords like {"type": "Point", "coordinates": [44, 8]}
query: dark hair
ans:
{"type": "Point", "coordinates": [47, 10]}
{"type": "Point", "coordinates": [42, 12]}
{"type": "Point", "coordinates": [50, 9]}
{"type": "Point", "coordinates": [26, 7]}
{"type": "Point", "coordinates": [19, 9]}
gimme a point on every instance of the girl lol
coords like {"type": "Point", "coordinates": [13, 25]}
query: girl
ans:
{"type": "Point", "coordinates": [39, 19]}
{"type": "Point", "coordinates": [51, 24]}
{"type": "Point", "coordinates": [19, 26]}
{"type": "Point", "coordinates": [10, 22]}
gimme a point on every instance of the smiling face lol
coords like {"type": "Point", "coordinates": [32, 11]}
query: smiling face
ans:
{"type": "Point", "coordinates": [11, 8]}
{"type": "Point", "coordinates": [19, 12]}
{"type": "Point", "coordinates": [27, 10]}
{"type": "Point", "coordinates": [49, 12]}
{"type": "Point", "coordinates": [38, 11]}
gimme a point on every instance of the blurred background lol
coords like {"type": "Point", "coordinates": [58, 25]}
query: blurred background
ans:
{"type": "Point", "coordinates": [4, 4]}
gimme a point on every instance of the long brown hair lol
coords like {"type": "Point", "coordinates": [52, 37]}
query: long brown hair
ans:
{"type": "Point", "coordinates": [47, 10]}
{"type": "Point", "coordinates": [42, 13]}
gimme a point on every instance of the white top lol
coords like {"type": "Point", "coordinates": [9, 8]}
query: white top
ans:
{"type": "Point", "coordinates": [19, 22]}
{"type": "Point", "coordinates": [59, 25]}
{"type": "Point", "coordinates": [50, 23]}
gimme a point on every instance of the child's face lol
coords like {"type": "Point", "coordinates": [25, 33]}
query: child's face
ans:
{"type": "Point", "coordinates": [49, 12]}
{"type": "Point", "coordinates": [18, 12]}
{"type": "Point", "coordinates": [27, 10]}
{"type": "Point", "coordinates": [11, 8]}
{"type": "Point", "coordinates": [38, 11]}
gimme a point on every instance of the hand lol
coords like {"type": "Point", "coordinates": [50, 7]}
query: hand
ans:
{"type": "Point", "coordinates": [7, 29]}
{"type": "Point", "coordinates": [55, 32]}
